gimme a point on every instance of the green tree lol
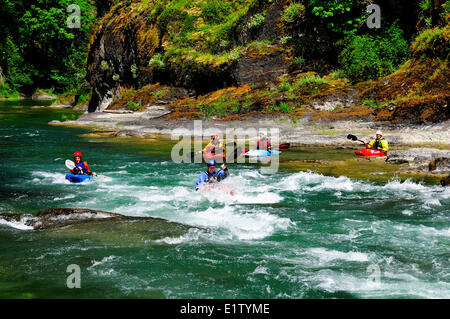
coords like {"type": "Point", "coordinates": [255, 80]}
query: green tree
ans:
{"type": "Point", "coordinates": [370, 56]}
{"type": "Point", "coordinates": [38, 49]}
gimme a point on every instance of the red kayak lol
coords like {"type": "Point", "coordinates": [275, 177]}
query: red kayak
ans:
{"type": "Point", "coordinates": [220, 157]}
{"type": "Point", "coordinates": [370, 152]}
{"type": "Point", "coordinates": [216, 157]}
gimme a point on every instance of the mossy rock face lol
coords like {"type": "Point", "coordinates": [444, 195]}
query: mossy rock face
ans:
{"type": "Point", "coordinates": [183, 44]}
{"type": "Point", "coordinates": [183, 52]}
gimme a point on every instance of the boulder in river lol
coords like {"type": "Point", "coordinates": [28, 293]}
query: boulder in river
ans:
{"type": "Point", "coordinates": [445, 181]}
{"type": "Point", "coordinates": [61, 217]}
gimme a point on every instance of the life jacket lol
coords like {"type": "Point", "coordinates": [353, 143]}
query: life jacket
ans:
{"type": "Point", "coordinates": [378, 143]}
{"type": "Point", "coordinates": [207, 177]}
{"type": "Point", "coordinates": [211, 178]}
{"type": "Point", "coordinates": [84, 166]}
{"type": "Point", "coordinates": [217, 176]}
{"type": "Point", "coordinates": [214, 148]}
{"type": "Point", "coordinates": [263, 144]}
{"type": "Point", "coordinates": [381, 143]}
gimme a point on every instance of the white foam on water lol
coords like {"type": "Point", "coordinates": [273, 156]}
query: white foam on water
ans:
{"type": "Point", "coordinates": [326, 255]}
{"type": "Point", "coordinates": [241, 226]}
{"type": "Point", "coordinates": [431, 202]}
{"type": "Point", "coordinates": [389, 285]}
{"type": "Point", "coordinates": [407, 212]}
{"type": "Point", "coordinates": [101, 262]}
{"type": "Point", "coordinates": [341, 183]}
{"type": "Point", "coordinates": [42, 177]}
{"type": "Point", "coordinates": [30, 134]}
{"type": "Point", "coordinates": [191, 236]}
{"type": "Point", "coordinates": [70, 196]}
{"type": "Point", "coordinates": [16, 224]}
{"type": "Point", "coordinates": [309, 181]}
{"type": "Point", "coordinates": [260, 270]}
{"type": "Point", "coordinates": [407, 185]}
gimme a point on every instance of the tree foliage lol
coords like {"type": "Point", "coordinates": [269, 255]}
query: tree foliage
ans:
{"type": "Point", "coordinates": [38, 49]}
{"type": "Point", "coordinates": [370, 56]}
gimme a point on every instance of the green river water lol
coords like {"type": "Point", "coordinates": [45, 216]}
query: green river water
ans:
{"type": "Point", "coordinates": [294, 234]}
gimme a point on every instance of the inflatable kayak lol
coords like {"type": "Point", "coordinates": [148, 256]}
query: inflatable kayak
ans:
{"type": "Point", "coordinates": [261, 153]}
{"type": "Point", "coordinates": [77, 178]}
{"type": "Point", "coordinates": [370, 152]}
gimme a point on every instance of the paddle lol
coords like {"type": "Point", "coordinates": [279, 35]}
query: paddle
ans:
{"type": "Point", "coordinates": [71, 165]}
{"type": "Point", "coordinates": [354, 138]}
{"type": "Point", "coordinates": [284, 146]}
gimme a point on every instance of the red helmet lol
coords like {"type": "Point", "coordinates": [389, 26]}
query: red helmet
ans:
{"type": "Point", "coordinates": [77, 154]}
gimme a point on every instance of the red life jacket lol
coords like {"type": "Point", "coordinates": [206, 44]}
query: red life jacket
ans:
{"type": "Point", "coordinates": [263, 144]}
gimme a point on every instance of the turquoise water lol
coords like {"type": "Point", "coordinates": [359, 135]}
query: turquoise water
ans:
{"type": "Point", "coordinates": [288, 235]}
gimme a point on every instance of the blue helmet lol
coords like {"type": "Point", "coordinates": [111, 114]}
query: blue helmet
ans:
{"type": "Point", "coordinates": [211, 163]}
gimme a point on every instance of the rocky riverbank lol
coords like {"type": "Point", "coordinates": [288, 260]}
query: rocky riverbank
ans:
{"type": "Point", "coordinates": [154, 121]}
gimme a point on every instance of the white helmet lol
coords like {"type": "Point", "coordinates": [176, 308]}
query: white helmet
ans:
{"type": "Point", "coordinates": [379, 133]}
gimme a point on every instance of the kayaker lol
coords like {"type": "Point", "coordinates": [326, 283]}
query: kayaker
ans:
{"type": "Point", "coordinates": [263, 143]}
{"type": "Point", "coordinates": [379, 143]}
{"type": "Point", "coordinates": [215, 146]}
{"type": "Point", "coordinates": [211, 176]}
{"type": "Point", "coordinates": [81, 168]}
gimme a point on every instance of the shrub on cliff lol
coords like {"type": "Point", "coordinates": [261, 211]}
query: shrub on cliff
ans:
{"type": "Point", "coordinates": [432, 42]}
{"type": "Point", "coordinates": [367, 57]}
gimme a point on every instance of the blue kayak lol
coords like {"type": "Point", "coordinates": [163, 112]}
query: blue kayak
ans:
{"type": "Point", "coordinates": [261, 153]}
{"type": "Point", "coordinates": [77, 178]}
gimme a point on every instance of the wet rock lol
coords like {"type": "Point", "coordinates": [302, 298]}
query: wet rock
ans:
{"type": "Point", "coordinates": [391, 107]}
{"type": "Point", "coordinates": [416, 155]}
{"type": "Point", "coordinates": [440, 164]}
{"type": "Point", "coordinates": [445, 181]}
{"type": "Point", "coordinates": [61, 217]}
{"type": "Point", "coordinates": [427, 161]}
{"type": "Point", "coordinates": [43, 96]}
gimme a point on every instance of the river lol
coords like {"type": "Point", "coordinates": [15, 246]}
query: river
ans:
{"type": "Point", "coordinates": [295, 234]}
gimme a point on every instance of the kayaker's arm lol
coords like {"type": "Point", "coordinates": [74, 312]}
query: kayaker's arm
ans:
{"type": "Point", "coordinates": [223, 173]}
{"type": "Point", "coordinates": [200, 180]}
{"type": "Point", "coordinates": [208, 147]}
{"type": "Point", "coordinates": [384, 145]}
{"type": "Point", "coordinates": [88, 171]}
